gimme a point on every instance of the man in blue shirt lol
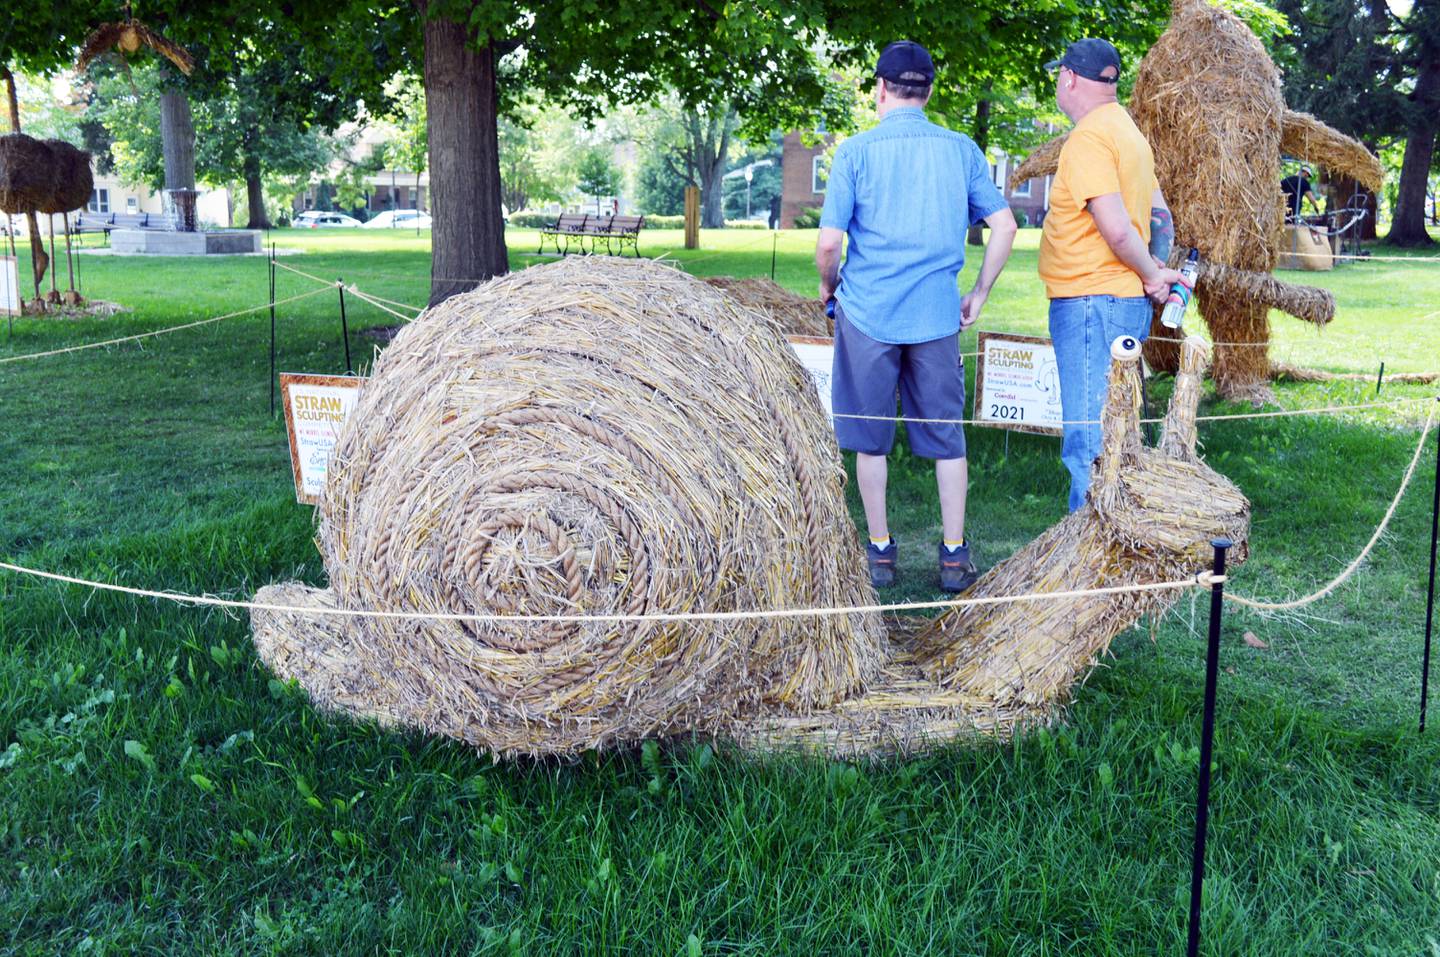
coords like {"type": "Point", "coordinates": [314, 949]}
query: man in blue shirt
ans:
{"type": "Point", "coordinates": [906, 192]}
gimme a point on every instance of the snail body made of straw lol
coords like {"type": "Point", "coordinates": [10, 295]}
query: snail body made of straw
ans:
{"type": "Point", "coordinates": [1149, 517]}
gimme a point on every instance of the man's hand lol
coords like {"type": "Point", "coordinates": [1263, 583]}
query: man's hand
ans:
{"type": "Point", "coordinates": [970, 305]}
{"type": "Point", "coordinates": [827, 291]}
{"type": "Point", "coordinates": [1157, 286]}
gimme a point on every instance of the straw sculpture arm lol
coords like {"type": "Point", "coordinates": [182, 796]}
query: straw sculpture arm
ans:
{"type": "Point", "coordinates": [1043, 161]}
{"type": "Point", "coordinates": [1244, 285]}
{"type": "Point", "coordinates": [1304, 136]}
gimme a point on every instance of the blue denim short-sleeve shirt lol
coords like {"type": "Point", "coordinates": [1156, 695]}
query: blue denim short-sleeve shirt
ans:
{"type": "Point", "coordinates": [906, 192]}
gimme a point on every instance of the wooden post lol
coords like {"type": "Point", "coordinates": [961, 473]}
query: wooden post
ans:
{"type": "Point", "coordinates": [692, 217]}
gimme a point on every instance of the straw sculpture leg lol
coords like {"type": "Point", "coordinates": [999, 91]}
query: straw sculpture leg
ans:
{"type": "Point", "coordinates": [1149, 517]}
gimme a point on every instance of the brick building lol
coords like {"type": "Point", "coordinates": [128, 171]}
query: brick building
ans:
{"type": "Point", "coordinates": [803, 173]}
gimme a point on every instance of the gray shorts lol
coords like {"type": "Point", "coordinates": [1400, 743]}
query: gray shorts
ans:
{"type": "Point", "coordinates": [930, 377]}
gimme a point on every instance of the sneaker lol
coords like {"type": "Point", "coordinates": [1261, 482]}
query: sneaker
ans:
{"type": "Point", "coordinates": [957, 571]}
{"type": "Point", "coordinates": [882, 563]}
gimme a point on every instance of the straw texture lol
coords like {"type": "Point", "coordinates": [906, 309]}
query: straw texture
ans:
{"type": "Point", "coordinates": [27, 175]}
{"type": "Point", "coordinates": [796, 315]}
{"type": "Point", "coordinates": [1208, 98]}
{"type": "Point", "coordinates": [588, 436]}
{"type": "Point", "coordinates": [73, 181]}
{"type": "Point", "coordinates": [1150, 516]}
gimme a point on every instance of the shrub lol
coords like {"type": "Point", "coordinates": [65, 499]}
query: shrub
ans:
{"type": "Point", "coordinates": [808, 218]}
{"type": "Point", "coordinates": [525, 219]}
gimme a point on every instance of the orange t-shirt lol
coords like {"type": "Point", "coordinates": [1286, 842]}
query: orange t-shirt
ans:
{"type": "Point", "coordinates": [1106, 153]}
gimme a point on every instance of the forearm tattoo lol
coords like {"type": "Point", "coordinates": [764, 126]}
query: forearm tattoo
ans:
{"type": "Point", "coordinates": [1162, 233]}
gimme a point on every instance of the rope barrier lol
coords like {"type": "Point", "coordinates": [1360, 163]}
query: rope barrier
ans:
{"type": "Point", "coordinates": [301, 272]}
{"type": "Point", "coordinates": [772, 613]}
{"type": "Point", "coordinates": [1283, 413]}
{"type": "Point", "coordinates": [1350, 569]}
{"type": "Point", "coordinates": [156, 332]}
{"type": "Point", "coordinates": [379, 304]}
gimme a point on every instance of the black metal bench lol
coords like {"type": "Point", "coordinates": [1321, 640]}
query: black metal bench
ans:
{"type": "Point", "coordinates": [623, 230]}
{"type": "Point", "coordinates": [568, 225]}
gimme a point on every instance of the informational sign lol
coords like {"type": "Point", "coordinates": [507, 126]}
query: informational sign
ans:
{"type": "Point", "coordinates": [9, 287]}
{"type": "Point", "coordinates": [817, 355]}
{"type": "Point", "coordinates": [316, 407]}
{"type": "Point", "coordinates": [1017, 384]}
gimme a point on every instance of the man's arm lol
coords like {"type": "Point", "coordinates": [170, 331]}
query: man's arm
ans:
{"type": "Point", "coordinates": [827, 259]}
{"type": "Point", "coordinates": [1113, 221]}
{"type": "Point", "coordinates": [1162, 227]}
{"type": "Point", "coordinates": [997, 253]}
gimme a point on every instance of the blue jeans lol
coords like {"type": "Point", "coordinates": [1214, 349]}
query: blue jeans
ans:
{"type": "Point", "coordinates": [1082, 329]}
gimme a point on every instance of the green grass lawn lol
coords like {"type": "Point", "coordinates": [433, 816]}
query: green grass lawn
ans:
{"type": "Point", "coordinates": [160, 793]}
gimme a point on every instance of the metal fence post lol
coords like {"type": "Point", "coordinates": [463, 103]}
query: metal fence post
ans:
{"type": "Point", "coordinates": [1207, 743]}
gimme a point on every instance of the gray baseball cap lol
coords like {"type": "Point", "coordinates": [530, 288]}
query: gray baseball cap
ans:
{"type": "Point", "coordinates": [1089, 58]}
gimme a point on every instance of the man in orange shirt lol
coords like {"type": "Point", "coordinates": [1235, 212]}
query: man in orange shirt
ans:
{"type": "Point", "coordinates": [1104, 244]}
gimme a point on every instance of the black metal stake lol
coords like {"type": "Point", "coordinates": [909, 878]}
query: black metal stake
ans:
{"type": "Point", "coordinates": [1207, 742]}
{"type": "Point", "coordinates": [1430, 594]}
{"type": "Point", "coordinates": [1379, 379]}
{"type": "Point", "coordinates": [272, 330]}
{"type": "Point", "coordinates": [344, 326]}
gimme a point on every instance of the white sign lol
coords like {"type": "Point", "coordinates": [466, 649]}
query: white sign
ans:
{"type": "Point", "coordinates": [316, 407]}
{"type": "Point", "coordinates": [1017, 384]}
{"type": "Point", "coordinates": [817, 356]}
{"type": "Point", "coordinates": [9, 287]}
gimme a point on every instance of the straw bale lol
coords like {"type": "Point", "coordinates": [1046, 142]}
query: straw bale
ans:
{"type": "Point", "coordinates": [796, 315]}
{"type": "Point", "coordinates": [26, 174]}
{"type": "Point", "coordinates": [1150, 516]}
{"type": "Point", "coordinates": [73, 179]}
{"type": "Point", "coordinates": [589, 436]}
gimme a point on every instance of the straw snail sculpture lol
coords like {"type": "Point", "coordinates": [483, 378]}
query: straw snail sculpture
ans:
{"type": "Point", "coordinates": [597, 437]}
{"type": "Point", "coordinates": [1208, 98]}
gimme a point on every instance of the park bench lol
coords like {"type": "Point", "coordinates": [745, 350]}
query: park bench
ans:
{"type": "Point", "coordinates": [568, 225]}
{"type": "Point", "coordinates": [105, 222]}
{"type": "Point", "coordinates": [623, 230]}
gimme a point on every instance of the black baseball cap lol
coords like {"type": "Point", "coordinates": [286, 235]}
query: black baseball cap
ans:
{"type": "Point", "coordinates": [906, 62]}
{"type": "Point", "coordinates": [1089, 58]}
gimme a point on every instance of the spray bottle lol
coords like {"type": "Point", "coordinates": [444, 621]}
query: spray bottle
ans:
{"type": "Point", "coordinates": [1174, 312]}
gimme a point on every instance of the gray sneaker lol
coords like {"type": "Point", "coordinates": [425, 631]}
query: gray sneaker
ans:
{"type": "Point", "coordinates": [882, 563]}
{"type": "Point", "coordinates": [957, 571]}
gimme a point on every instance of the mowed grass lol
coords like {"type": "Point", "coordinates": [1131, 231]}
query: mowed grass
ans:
{"type": "Point", "coordinates": [160, 793]}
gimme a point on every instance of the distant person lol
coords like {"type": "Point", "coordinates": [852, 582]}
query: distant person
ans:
{"type": "Point", "coordinates": [906, 193]}
{"type": "Point", "coordinates": [1103, 246]}
{"type": "Point", "coordinates": [1297, 189]}
{"type": "Point", "coordinates": [775, 211]}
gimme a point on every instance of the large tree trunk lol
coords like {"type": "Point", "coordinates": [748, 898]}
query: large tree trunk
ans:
{"type": "Point", "coordinates": [976, 236]}
{"type": "Point", "coordinates": [177, 139]}
{"type": "Point", "coordinates": [255, 194]}
{"type": "Point", "coordinates": [468, 234]}
{"type": "Point", "coordinates": [1408, 227]}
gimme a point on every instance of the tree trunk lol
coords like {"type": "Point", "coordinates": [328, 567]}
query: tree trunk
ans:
{"type": "Point", "coordinates": [177, 139]}
{"type": "Point", "coordinates": [976, 236]}
{"type": "Point", "coordinates": [462, 109]}
{"type": "Point", "coordinates": [712, 192]}
{"type": "Point", "coordinates": [255, 194]}
{"type": "Point", "coordinates": [1408, 226]}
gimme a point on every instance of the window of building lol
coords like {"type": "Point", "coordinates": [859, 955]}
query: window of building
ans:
{"type": "Point", "coordinates": [99, 201]}
{"type": "Point", "coordinates": [1022, 190]}
{"type": "Point", "coordinates": [132, 205]}
{"type": "Point", "coordinates": [819, 172]}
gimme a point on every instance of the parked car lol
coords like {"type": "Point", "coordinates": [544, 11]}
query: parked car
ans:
{"type": "Point", "coordinates": [399, 219]}
{"type": "Point", "coordinates": [320, 219]}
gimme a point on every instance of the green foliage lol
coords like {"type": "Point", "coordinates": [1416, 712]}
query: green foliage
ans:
{"type": "Point", "coordinates": [528, 220]}
{"type": "Point", "coordinates": [408, 144]}
{"type": "Point", "coordinates": [808, 218]}
{"type": "Point", "coordinates": [659, 186]}
{"type": "Point", "coordinates": [597, 175]}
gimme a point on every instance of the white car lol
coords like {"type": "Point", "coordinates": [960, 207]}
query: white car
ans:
{"type": "Point", "coordinates": [320, 219]}
{"type": "Point", "coordinates": [399, 219]}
